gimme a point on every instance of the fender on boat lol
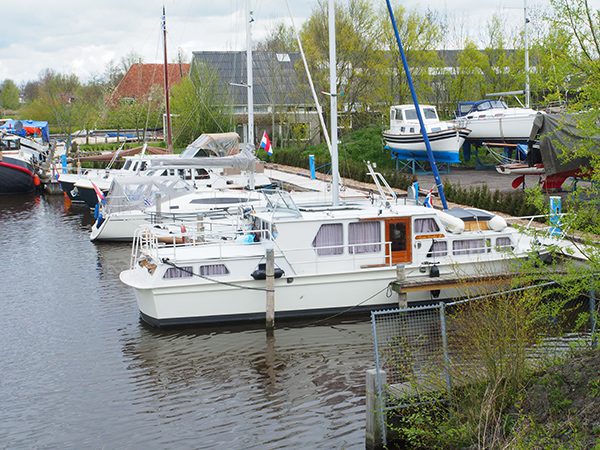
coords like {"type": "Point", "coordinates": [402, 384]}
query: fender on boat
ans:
{"type": "Point", "coordinates": [451, 223]}
{"type": "Point", "coordinates": [497, 223]}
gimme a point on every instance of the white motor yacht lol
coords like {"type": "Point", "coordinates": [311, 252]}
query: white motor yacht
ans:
{"type": "Point", "coordinates": [329, 259]}
{"type": "Point", "coordinates": [405, 139]}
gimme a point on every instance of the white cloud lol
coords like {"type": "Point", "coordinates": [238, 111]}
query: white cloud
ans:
{"type": "Point", "coordinates": [83, 36]}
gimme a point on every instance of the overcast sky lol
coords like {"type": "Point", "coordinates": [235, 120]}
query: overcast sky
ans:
{"type": "Point", "coordinates": [82, 36]}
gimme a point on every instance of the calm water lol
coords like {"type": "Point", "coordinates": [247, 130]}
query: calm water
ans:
{"type": "Point", "coordinates": [79, 370]}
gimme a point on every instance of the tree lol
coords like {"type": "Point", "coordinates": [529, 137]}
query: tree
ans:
{"type": "Point", "coordinates": [421, 35]}
{"type": "Point", "coordinates": [199, 106]}
{"type": "Point", "coordinates": [359, 57]}
{"type": "Point", "coordinates": [9, 95]}
{"type": "Point", "coordinates": [281, 39]}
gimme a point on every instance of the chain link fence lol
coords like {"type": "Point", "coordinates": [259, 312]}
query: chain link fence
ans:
{"type": "Point", "coordinates": [427, 349]}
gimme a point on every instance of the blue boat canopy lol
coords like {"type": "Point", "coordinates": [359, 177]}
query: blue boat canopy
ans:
{"type": "Point", "coordinates": [27, 128]}
{"type": "Point", "coordinates": [465, 108]}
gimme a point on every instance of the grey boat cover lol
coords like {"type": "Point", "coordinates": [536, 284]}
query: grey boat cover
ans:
{"type": "Point", "coordinates": [139, 192]}
{"type": "Point", "coordinates": [558, 134]}
{"type": "Point", "coordinates": [244, 160]}
{"type": "Point", "coordinates": [215, 144]}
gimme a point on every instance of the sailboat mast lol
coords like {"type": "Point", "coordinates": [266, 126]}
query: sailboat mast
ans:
{"type": "Point", "coordinates": [526, 39]}
{"type": "Point", "coordinates": [249, 74]}
{"type": "Point", "coordinates": [335, 181]}
{"type": "Point", "coordinates": [430, 157]}
{"type": "Point", "coordinates": [167, 106]}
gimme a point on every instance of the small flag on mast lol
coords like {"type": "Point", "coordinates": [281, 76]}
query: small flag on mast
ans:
{"type": "Point", "coordinates": [265, 143]}
{"type": "Point", "coordinates": [428, 202]}
{"type": "Point", "coordinates": [99, 194]}
{"type": "Point", "coordinates": [164, 20]}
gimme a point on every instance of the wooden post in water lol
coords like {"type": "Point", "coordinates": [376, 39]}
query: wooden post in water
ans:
{"type": "Point", "coordinates": [270, 273]}
{"type": "Point", "coordinates": [400, 279]}
{"type": "Point", "coordinates": [375, 433]}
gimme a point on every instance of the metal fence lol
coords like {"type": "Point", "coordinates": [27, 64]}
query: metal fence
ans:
{"type": "Point", "coordinates": [417, 350]}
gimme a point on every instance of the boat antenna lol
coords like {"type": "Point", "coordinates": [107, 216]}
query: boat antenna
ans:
{"type": "Point", "coordinates": [436, 173]}
{"type": "Point", "coordinates": [167, 106]}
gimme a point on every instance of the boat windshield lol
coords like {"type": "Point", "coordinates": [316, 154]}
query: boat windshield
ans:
{"type": "Point", "coordinates": [491, 104]}
{"type": "Point", "coordinates": [428, 113]}
{"type": "Point", "coordinates": [9, 144]}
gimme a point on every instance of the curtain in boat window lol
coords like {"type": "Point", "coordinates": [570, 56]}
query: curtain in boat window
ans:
{"type": "Point", "coordinates": [428, 225]}
{"type": "Point", "coordinates": [179, 272]}
{"type": "Point", "coordinates": [213, 269]}
{"type": "Point", "coordinates": [468, 246]}
{"type": "Point", "coordinates": [438, 248]}
{"type": "Point", "coordinates": [364, 233]}
{"type": "Point", "coordinates": [504, 243]}
{"type": "Point", "coordinates": [331, 236]}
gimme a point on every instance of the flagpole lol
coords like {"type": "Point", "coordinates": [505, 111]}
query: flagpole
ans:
{"type": "Point", "coordinates": [167, 106]}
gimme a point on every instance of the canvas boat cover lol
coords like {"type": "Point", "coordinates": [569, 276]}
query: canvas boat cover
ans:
{"type": "Point", "coordinates": [105, 157]}
{"type": "Point", "coordinates": [27, 128]}
{"type": "Point", "coordinates": [244, 160]}
{"type": "Point", "coordinates": [215, 144]}
{"type": "Point", "coordinates": [138, 192]}
{"type": "Point", "coordinates": [557, 135]}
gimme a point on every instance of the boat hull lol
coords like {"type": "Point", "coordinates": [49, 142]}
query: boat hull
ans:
{"type": "Point", "coordinates": [16, 176]}
{"type": "Point", "coordinates": [509, 128]}
{"type": "Point", "coordinates": [445, 145]}
{"type": "Point", "coordinates": [295, 297]}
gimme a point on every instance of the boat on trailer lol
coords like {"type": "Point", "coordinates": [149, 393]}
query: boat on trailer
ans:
{"type": "Point", "coordinates": [493, 121]}
{"type": "Point", "coordinates": [405, 139]}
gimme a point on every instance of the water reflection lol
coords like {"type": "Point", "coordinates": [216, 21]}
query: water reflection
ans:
{"type": "Point", "coordinates": [80, 369]}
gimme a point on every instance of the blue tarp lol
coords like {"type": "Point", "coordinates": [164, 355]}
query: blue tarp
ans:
{"type": "Point", "coordinates": [25, 127]}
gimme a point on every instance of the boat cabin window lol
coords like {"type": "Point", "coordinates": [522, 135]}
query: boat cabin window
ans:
{"type": "Point", "coordinates": [438, 248]}
{"type": "Point", "coordinates": [393, 114]}
{"type": "Point", "coordinates": [430, 113]}
{"type": "Point", "coordinates": [143, 165]}
{"type": "Point", "coordinates": [428, 225]}
{"type": "Point", "coordinates": [213, 269]}
{"type": "Point", "coordinates": [397, 233]}
{"type": "Point", "coordinates": [504, 244]}
{"type": "Point", "coordinates": [410, 114]}
{"type": "Point", "coordinates": [179, 272]}
{"type": "Point", "coordinates": [469, 246]}
{"type": "Point", "coordinates": [484, 106]}
{"type": "Point", "coordinates": [127, 164]}
{"type": "Point", "coordinates": [202, 174]}
{"type": "Point", "coordinates": [368, 233]}
{"type": "Point", "coordinates": [329, 240]}
{"type": "Point", "coordinates": [9, 144]}
{"type": "Point", "coordinates": [134, 168]}
{"type": "Point", "coordinates": [403, 129]}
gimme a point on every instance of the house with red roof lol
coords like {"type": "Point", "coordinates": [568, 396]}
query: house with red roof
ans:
{"type": "Point", "coordinates": [140, 79]}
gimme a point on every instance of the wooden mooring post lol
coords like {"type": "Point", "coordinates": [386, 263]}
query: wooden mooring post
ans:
{"type": "Point", "coordinates": [270, 278]}
{"type": "Point", "coordinates": [375, 434]}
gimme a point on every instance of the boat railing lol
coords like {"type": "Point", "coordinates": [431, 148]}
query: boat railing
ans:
{"type": "Point", "coordinates": [533, 223]}
{"type": "Point", "coordinates": [149, 239]}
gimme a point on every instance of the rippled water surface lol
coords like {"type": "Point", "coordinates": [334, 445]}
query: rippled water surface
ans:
{"type": "Point", "coordinates": [79, 370]}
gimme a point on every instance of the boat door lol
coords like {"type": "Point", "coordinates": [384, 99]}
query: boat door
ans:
{"type": "Point", "coordinates": [398, 232]}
